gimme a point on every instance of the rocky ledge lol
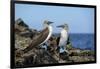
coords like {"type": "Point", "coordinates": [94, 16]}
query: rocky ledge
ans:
{"type": "Point", "coordinates": [39, 56]}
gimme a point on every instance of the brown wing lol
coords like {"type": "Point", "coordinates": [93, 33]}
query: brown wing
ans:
{"type": "Point", "coordinates": [37, 39]}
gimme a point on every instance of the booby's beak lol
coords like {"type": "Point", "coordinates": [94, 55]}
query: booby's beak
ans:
{"type": "Point", "coordinates": [60, 26]}
{"type": "Point", "coordinates": [49, 22]}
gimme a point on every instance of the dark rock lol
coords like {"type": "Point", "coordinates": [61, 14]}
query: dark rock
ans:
{"type": "Point", "coordinates": [23, 29]}
{"type": "Point", "coordinates": [20, 22]}
{"type": "Point", "coordinates": [64, 56]}
{"type": "Point", "coordinates": [27, 34]}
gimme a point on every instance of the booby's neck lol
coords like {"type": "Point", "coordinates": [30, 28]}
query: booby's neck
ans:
{"type": "Point", "coordinates": [64, 30]}
{"type": "Point", "coordinates": [49, 27]}
{"type": "Point", "coordinates": [45, 26]}
{"type": "Point", "coordinates": [64, 33]}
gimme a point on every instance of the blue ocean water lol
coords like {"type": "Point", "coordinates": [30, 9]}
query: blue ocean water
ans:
{"type": "Point", "coordinates": [82, 41]}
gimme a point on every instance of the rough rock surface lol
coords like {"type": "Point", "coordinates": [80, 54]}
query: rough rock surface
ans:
{"type": "Point", "coordinates": [39, 56]}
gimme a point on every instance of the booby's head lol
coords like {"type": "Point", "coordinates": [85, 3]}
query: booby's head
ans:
{"type": "Point", "coordinates": [47, 23]}
{"type": "Point", "coordinates": [64, 26]}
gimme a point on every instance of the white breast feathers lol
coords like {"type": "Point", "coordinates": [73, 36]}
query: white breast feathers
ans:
{"type": "Point", "coordinates": [63, 38]}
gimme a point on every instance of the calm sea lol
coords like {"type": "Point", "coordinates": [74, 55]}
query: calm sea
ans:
{"type": "Point", "coordinates": [82, 41]}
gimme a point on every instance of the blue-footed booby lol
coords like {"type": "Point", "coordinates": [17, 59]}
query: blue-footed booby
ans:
{"type": "Point", "coordinates": [42, 37]}
{"type": "Point", "coordinates": [47, 24]}
{"type": "Point", "coordinates": [63, 38]}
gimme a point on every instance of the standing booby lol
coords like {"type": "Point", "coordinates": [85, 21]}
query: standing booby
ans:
{"type": "Point", "coordinates": [63, 38]}
{"type": "Point", "coordinates": [42, 37]}
{"type": "Point", "coordinates": [47, 24]}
